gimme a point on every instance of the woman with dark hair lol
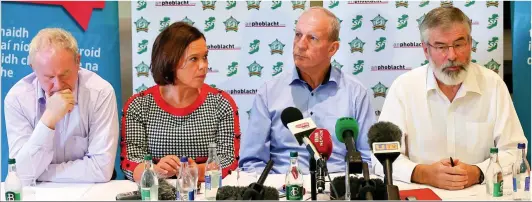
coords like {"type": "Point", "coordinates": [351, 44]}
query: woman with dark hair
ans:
{"type": "Point", "coordinates": [180, 115]}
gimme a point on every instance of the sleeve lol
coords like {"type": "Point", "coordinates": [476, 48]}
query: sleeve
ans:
{"type": "Point", "coordinates": [228, 137]}
{"type": "Point", "coordinates": [393, 111]}
{"type": "Point", "coordinates": [507, 130]}
{"type": "Point", "coordinates": [33, 148]}
{"type": "Point", "coordinates": [365, 116]}
{"type": "Point", "coordinates": [134, 143]}
{"type": "Point", "coordinates": [255, 151]}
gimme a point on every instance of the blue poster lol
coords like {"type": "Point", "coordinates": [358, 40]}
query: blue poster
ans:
{"type": "Point", "coordinates": [521, 64]}
{"type": "Point", "coordinates": [93, 24]}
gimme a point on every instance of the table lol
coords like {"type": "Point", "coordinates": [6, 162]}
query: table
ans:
{"type": "Point", "coordinates": [107, 191]}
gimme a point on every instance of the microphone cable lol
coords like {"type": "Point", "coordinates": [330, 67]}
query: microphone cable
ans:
{"type": "Point", "coordinates": [328, 176]}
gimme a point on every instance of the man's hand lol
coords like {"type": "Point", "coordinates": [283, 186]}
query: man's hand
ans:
{"type": "Point", "coordinates": [57, 106]}
{"type": "Point", "coordinates": [168, 166]}
{"type": "Point", "coordinates": [441, 175]}
{"type": "Point", "coordinates": [473, 172]}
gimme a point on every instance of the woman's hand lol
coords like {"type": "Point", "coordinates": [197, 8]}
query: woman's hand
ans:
{"type": "Point", "coordinates": [168, 166]}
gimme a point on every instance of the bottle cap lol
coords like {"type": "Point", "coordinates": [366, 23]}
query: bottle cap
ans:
{"type": "Point", "coordinates": [521, 146]}
{"type": "Point", "coordinates": [11, 161]}
{"type": "Point", "coordinates": [184, 159]}
{"type": "Point", "coordinates": [293, 154]}
{"type": "Point", "coordinates": [147, 157]}
{"type": "Point", "coordinates": [494, 150]}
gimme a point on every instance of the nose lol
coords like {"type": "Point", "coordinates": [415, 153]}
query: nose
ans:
{"type": "Point", "coordinates": [451, 53]}
{"type": "Point", "coordinates": [204, 65]}
{"type": "Point", "coordinates": [301, 43]}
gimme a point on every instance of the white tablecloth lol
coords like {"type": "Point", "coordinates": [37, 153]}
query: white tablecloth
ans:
{"type": "Point", "coordinates": [107, 191]}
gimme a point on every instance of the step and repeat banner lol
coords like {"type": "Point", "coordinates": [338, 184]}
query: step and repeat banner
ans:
{"type": "Point", "coordinates": [93, 24]}
{"type": "Point", "coordinates": [522, 64]}
{"type": "Point", "coordinates": [380, 40]}
{"type": "Point", "coordinates": [249, 42]}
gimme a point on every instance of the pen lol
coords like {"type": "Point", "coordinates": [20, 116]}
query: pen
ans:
{"type": "Point", "coordinates": [452, 163]}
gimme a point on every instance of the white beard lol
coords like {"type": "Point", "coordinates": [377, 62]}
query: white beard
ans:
{"type": "Point", "coordinates": [449, 78]}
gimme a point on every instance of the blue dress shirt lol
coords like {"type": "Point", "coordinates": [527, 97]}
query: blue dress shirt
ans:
{"type": "Point", "coordinates": [340, 95]}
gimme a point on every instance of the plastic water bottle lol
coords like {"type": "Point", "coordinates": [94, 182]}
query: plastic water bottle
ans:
{"type": "Point", "coordinates": [294, 180]}
{"type": "Point", "coordinates": [13, 185]}
{"type": "Point", "coordinates": [185, 182]}
{"type": "Point", "coordinates": [213, 174]}
{"type": "Point", "coordinates": [521, 175]}
{"type": "Point", "coordinates": [149, 183]}
{"type": "Point", "coordinates": [494, 176]}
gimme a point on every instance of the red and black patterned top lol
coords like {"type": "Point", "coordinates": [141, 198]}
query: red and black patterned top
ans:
{"type": "Point", "coordinates": [151, 126]}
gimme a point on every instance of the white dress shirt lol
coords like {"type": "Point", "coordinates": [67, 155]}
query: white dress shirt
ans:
{"type": "Point", "coordinates": [480, 116]}
{"type": "Point", "coordinates": [82, 148]}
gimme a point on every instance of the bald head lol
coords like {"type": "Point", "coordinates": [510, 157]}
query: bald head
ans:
{"type": "Point", "coordinates": [329, 19]}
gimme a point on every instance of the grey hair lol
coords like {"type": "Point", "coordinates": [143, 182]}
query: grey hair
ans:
{"type": "Point", "coordinates": [334, 29]}
{"type": "Point", "coordinates": [52, 37]}
{"type": "Point", "coordinates": [442, 17]}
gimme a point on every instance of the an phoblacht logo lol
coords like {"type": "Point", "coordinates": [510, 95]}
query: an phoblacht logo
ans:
{"type": "Point", "coordinates": [493, 44]}
{"type": "Point", "coordinates": [446, 3]}
{"type": "Point", "coordinates": [143, 69]}
{"type": "Point", "coordinates": [212, 70]}
{"type": "Point", "coordinates": [141, 88]}
{"type": "Point", "coordinates": [401, 4]}
{"type": "Point", "coordinates": [255, 69]}
{"type": "Point", "coordinates": [380, 44]}
{"type": "Point", "coordinates": [232, 69]}
{"type": "Point", "coordinates": [357, 22]}
{"type": "Point", "coordinates": [242, 91]}
{"type": "Point", "coordinates": [209, 24]}
{"type": "Point", "coordinates": [264, 24]}
{"type": "Point", "coordinates": [379, 90]}
{"type": "Point", "coordinates": [333, 4]}
{"type": "Point", "coordinates": [425, 62]}
{"type": "Point", "coordinates": [336, 64]}
{"type": "Point", "coordinates": [276, 47]}
{"type": "Point", "coordinates": [231, 24]}
{"type": "Point", "coordinates": [223, 47]}
{"type": "Point", "coordinates": [277, 68]}
{"type": "Point", "coordinates": [254, 46]}
{"type": "Point", "coordinates": [141, 5]}
{"type": "Point", "coordinates": [142, 46]}
{"type": "Point", "coordinates": [253, 5]}
{"type": "Point", "coordinates": [379, 22]}
{"type": "Point", "coordinates": [407, 45]}
{"type": "Point", "coordinates": [493, 21]}
{"type": "Point", "coordinates": [367, 2]}
{"type": "Point", "coordinates": [390, 68]}
{"type": "Point", "coordinates": [493, 65]}
{"type": "Point", "coordinates": [298, 5]}
{"type": "Point", "coordinates": [420, 19]}
{"type": "Point", "coordinates": [188, 21]}
{"type": "Point", "coordinates": [492, 3]}
{"type": "Point", "coordinates": [230, 4]}
{"type": "Point", "coordinates": [424, 3]}
{"type": "Point", "coordinates": [208, 5]}
{"type": "Point", "coordinates": [164, 23]}
{"type": "Point", "coordinates": [142, 25]}
{"type": "Point", "coordinates": [174, 3]}
{"type": "Point", "coordinates": [358, 67]}
{"type": "Point", "coordinates": [276, 4]}
{"type": "Point", "coordinates": [474, 46]}
{"type": "Point", "coordinates": [469, 3]}
{"type": "Point", "coordinates": [402, 22]}
{"type": "Point", "coordinates": [357, 45]}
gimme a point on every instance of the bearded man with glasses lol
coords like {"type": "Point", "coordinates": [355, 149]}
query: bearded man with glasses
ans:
{"type": "Point", "coordinates": [450, 107]}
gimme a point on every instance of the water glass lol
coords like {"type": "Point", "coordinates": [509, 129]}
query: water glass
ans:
{"type": "Point", "coordinates": [507, 176]}
{"type": "Point", "coordinates": [246, 176]}
{"type": "Point", "coordinates": [29, 184]}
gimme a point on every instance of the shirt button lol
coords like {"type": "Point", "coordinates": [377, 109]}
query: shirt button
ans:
{"type": "Point", "coordinates": [311, 94]}
{"type": "Point", "coordinates": [311, 113]}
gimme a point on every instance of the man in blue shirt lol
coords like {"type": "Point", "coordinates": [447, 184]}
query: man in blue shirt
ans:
{"type": "Point", "coordinates": [320, 91]}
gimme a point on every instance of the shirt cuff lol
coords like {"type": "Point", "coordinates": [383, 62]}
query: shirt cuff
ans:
{"type": "Point", "coordinates": [483, 168]}
{"type": "Point", "coordinates": [42, 136]}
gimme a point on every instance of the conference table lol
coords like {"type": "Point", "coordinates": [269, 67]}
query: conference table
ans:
{"type": "Point", "coordinates": [47, 191]}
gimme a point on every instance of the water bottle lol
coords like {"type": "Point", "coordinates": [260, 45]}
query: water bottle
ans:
{"type": "Point", "coordinates": [294, 180]}
{"type": "Point", "coordinates": [13, 185]}
{"type": "Point", "coordinates": [494, 176]}
{"type": "Point", "coordinates": [521, 175]}
{"type": "Point", "coordinates": [185, 182]}
{"type": "Point", "coordinates": [213, 174]}
{"type": "Point", "coordinates": [149, 183]}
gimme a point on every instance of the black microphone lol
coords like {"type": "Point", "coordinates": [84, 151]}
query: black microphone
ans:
{"type": "Point", "coordinates": [255, 191]}
{"type": "Point", "coordinates": [236, 193]}
{"type": "Point", "coordinates": [384, 138]}
{"type": "Point", "coordinates": [357, 187]}
{"type": "Point", "coordinates": [166, 192]}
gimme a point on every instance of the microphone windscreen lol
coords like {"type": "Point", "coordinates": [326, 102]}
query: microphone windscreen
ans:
{"type": "Point", "coordinates": [236, 192]}
{"type": "Point", "coordinates": [346, 124]}
{"type": "Point", "coordinates": [321, 139]}
{"type": "Point", "coordinates": [355, 184]}
{"type": "Point", "coordinates": [384, 131]}
{"type": "Point", "coordinates": [166, 190]}
{"type": "Point", "coordinates": [290, 114]}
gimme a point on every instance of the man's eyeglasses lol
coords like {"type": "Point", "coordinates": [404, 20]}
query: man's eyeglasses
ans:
{"type": "Point", "coordinates": [442, 49]}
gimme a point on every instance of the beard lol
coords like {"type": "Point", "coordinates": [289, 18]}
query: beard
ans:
{"type": "Point", "coordinates": [447, 76]}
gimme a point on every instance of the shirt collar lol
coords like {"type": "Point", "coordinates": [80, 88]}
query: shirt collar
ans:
{"type": "Point", "coordinates": [470, 83]}
{"type": "Point", "coordinates": [41, 95]}
{"type": "Point", "coordinates": [331, 75]}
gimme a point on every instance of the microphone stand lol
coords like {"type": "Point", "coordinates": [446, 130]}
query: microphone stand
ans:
{"type": "Point", "coordinates": [312, 170]}
{"type": "Point", "coordinates": [347, 185]}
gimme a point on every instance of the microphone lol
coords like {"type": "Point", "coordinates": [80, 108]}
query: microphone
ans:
{"type": "Point", "coordinates": [321, 139]}
{"type": "Point", "coordinates": [347, 132]}
{"type": "Point", "coordinates": [166, 192]}
{"type": "Point", "coordinates": [255, 191]}
{"type": "Point", "coordinates": [384, 139]}
{"type": "Point", "coordinates": [357, 186]}
{"type": "Point", "coordinates": [301, 128]}
{"type": "Point", "coordinates": [236, 192]}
